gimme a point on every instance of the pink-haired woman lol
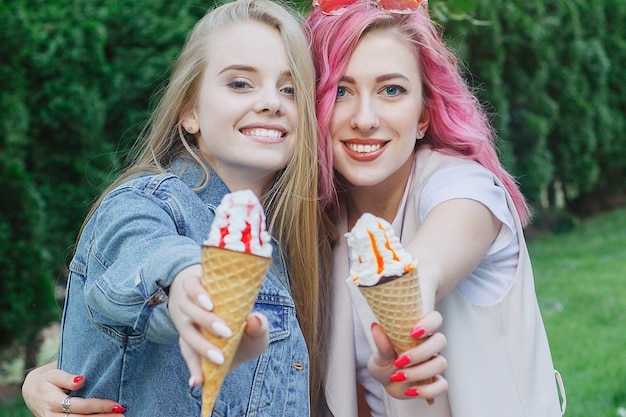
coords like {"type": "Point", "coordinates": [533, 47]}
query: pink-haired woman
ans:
{"type": "Point", "coordinates": [403, 137]}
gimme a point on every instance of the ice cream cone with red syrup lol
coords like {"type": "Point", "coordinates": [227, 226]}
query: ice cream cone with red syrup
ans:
{"type": "Point", "coordinates": [235, 260]}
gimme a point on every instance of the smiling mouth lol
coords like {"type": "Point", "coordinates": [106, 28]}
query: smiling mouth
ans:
{"type": "Point", "coordinates": [263, 133]}
{"type": "Point", "coordinates": [360, 148]}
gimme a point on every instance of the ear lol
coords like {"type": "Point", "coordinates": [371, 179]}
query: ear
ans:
{"type": "Point", "coordinates": [190, 122]}
{"type": "Point", "coordinates": [423, 124]}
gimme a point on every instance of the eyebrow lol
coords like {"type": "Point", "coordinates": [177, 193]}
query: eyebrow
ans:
{"type": "Point", "coordinates": [382, 78]}
{"type": "Point", "coordinates": [238, 67]}
{"type": "Point", "coordinates": [248, 68]}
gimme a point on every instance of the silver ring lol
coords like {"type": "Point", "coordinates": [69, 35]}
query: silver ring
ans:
{"type": "Point", "coordinates": [66, 405]}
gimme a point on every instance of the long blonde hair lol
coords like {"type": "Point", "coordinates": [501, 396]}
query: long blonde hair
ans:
{"type": "Point", "coordinates": [291, 201]}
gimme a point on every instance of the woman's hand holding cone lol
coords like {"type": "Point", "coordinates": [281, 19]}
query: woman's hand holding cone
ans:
{"type": "Point", "coordinates": [191, 307]}
{"type": "Point", "coordinates": [403, 376]}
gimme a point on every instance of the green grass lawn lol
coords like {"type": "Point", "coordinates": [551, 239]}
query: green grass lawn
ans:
{"type": "Point", "coordinates": [580, 282]}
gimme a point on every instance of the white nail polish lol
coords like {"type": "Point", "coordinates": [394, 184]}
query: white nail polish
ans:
{"type": "Point", "coordinates": [263, 320]}
{"type": "Point", "coordinates": [215, 356]}
{"type": "Point", "coordinates": [205, 302]}
{"type": "Point", "coordinates": [221, 329]}
{"type": "Point", "coordinates": [192, 382]}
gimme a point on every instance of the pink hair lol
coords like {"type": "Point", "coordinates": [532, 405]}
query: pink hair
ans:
{"type": "Point", "coordinates": [459, 126]}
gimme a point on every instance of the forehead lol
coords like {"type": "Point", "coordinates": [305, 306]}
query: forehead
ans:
{"type": "Point", "coordinates": [246, 43]}
{"type": "Point", "coordinates": [382, 50]}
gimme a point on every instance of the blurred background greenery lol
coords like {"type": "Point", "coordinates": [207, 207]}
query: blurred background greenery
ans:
{"type": "Point", "coordinates": [79, 78]}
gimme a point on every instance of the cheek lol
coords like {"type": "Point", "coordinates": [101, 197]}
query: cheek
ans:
{"type": "Point", "coordinates": [336, 123]}
{"type": "Point", "coordinates": [291, 110]}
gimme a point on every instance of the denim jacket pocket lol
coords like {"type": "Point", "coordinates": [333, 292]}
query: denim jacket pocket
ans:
{"type": "Point", "coordinates": [118, 333]}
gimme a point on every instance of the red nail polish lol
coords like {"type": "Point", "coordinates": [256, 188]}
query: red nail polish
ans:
{"type": "Point", "coordinates": [398, 377]}
{"type": "Point", "coordinates": [403, 360]}
{"type": "Point", "coordinates": [118, 409]}
{"type": "Point", "coordinates": [411, 392]}
{"type": "Point", "coordinates": [374, 324]}
{"type": "Point", "coordinates": [78, 378]}
{"type": "Point", "coordinates": [417, 332]}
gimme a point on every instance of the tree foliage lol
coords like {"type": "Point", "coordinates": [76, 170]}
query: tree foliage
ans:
{"type": "Point", "coordinates": [553, 73]}
{"type": "Point", "coordinates": [27, 302]}
{"type": "Point", "coordinates": [77, 82]}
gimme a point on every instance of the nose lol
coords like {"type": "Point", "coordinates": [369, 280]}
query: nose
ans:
{"type": "Point", "coordinates": [270, 101]}
{"type": "Point", "coordinates": [365, 117]}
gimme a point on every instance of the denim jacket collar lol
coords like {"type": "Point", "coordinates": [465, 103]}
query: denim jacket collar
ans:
{"type": "Point", "coordinates": [192, 174]}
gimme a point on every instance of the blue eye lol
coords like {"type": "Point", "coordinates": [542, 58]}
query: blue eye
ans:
{"type": "Point", "coordinates": [290, 91]}
{"type": "Point", "coordinates": [238, 84]}
{"type": "Point", "coordinates": [394, 90]}
{"type": "Point", "coordinates": [341, 92]}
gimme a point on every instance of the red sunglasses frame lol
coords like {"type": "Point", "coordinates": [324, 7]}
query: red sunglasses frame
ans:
{"type": "Point", "coordinates": [336, 7]}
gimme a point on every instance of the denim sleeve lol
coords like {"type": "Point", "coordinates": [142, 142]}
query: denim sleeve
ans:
{"type": "Point", "coordinates": [136, 251]}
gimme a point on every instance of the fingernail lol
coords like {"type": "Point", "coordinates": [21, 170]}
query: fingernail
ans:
{"type": "Point", "coordinates": [78, 378]}
{"type": "Point", "coordinates": [264, 324]}
{"type": "Point", "coordinates": [398, 377]}
{"type": "Point", "coordinates": [403, 360]}
{"type": "Point", "coordinates": [221, 329]}
{"type": "Point", "coordinates": [374, 324]}
{"type": "Point", "coordinates": [205, 302]}
{"type": "Point", "coordinates": [118, 409]}
{"type": "Point", "coordinates": [192, 382]}
{"type": "Point", "coordinates": [417, 332]}
{"type": "Point", "coordinates": [411, 392]}
{"type": "Point", "coordinates": [215, 356]}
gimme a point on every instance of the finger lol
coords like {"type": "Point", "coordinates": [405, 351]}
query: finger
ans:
{"type": "Point", "coordinates": [254, 341]}
{"type": "Point", "coordinates": [206, 321]}
{"type": "Point", "coordinates": [98, 406]}
{"type": "Point", "coordinates": [256, 335]}
{"type": "Point", "coordinates": [257, 326]}
{"type": "Point", "coordinates": [63, 380]}
{"type": "Point", "coordinates": [424, 371]}
{"type": "Point", "coordinates": [193, 339]}
{"type": "Point", "coordinates": [199, 307]}
{"type": "Point", "coordinates": [437, 386]}
{"type": "Point", "coordinates": [196, 292]}
{"type": "Point", "coordinates": [194, 363]}
{"type": "Point", "coordinates": [187, 289]}
{"type": "Point", "coordinates": [427, 325]}
{"type": "Point", "coordinates": [428, 348]}
{"type": "Point", "coordinates": [385, 354]}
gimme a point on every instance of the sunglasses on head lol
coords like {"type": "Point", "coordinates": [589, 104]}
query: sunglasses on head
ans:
{"type": "Point", "coordinates": [336, 7]}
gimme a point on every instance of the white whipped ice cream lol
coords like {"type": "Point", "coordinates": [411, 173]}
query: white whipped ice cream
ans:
{"type": "Point", "coordinates": [376, 252]}
{"type": "Point", "coordinates": [239, 225]}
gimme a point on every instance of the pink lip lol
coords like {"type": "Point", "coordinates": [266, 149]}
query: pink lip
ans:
{"type": "Point", "coordinates": [364, 156]}
{"type": "Point", "coordinates": [264, 133]}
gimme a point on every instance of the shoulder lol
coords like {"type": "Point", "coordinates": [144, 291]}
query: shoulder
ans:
{"type": "Point", "coordinates": [447, 177]}
{"type": "Point", "coordinates": [153, 193]}
{"type": "Point", "coordinates": [452, 176]}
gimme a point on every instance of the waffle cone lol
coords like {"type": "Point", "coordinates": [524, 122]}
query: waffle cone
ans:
{"type": "Point", "coordinates": [397, 305]}
{"type": "Point", "coordinates": [233, 279]}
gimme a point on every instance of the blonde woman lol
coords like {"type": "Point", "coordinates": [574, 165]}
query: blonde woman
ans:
{"type": "Point", "coordinates": [238, 113]}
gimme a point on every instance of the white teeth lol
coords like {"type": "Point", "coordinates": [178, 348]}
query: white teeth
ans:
{"type": "Point", "coordinates": [267, 133]}
{"type": "Point", "coordinates": [363, 148]}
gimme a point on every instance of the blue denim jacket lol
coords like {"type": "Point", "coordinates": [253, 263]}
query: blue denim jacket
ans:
{"type": "Point", "coordinates": [116, 329]}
